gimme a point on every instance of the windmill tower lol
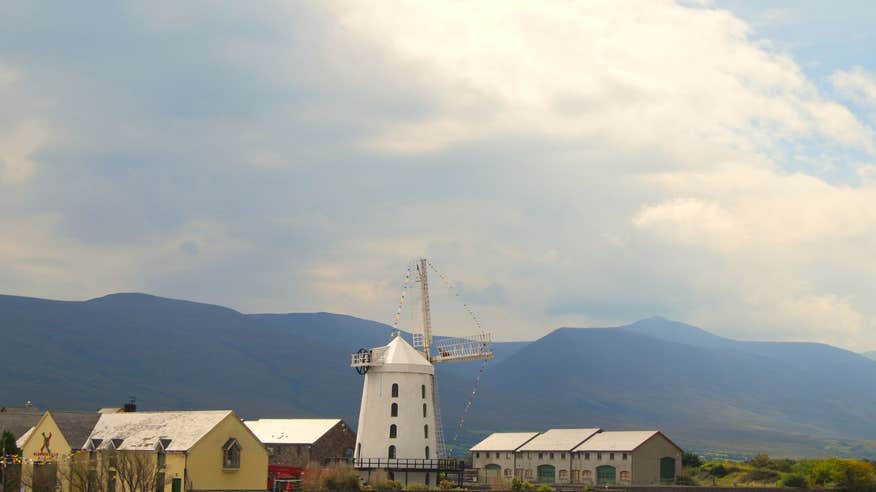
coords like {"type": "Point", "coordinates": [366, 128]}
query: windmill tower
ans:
{"type": "Point", "coordinates": [399, 417]}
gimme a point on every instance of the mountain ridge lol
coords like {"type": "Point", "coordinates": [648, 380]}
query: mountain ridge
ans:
{"type": "Point", "coordinates": [712, 393]}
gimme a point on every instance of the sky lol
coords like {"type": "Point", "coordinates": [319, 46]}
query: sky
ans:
{"type": "Point", "coordinates": [561, 163]}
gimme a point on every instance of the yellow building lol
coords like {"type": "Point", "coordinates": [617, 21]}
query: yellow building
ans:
{"type": "Point", "coordinates": [46, 448]}
{"type": "Point", "coordinates": [176, 451]}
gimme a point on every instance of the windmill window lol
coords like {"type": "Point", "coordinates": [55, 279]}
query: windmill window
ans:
{"type": "Point", "coordinates": [424, 410]}
{"type": "Point", "coordinates": [426, 431]}
{"type": "Point", "coordinates": [359, 450]}
{"type": "Point", "coordinates": [427, 452]}
{"type": "Point", "coordinates": [231, 454]}
{"type": "Point", "coordinates": [393, 411]}
{"type": "Point", "coordinates": [392, 452]}
{"type": "Point", "coordinates": [423, 391]}
{"type": "Point", "coordinates": [395, 390]}
{"type": "Point", "coordinates": [393, 431]}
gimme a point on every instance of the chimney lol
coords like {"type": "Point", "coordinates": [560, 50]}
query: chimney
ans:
{"type": "Point", "coordinates": [131, 406]}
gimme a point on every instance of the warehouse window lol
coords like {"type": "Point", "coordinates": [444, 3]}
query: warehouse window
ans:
{"type": "Point", "coordinates": [611, 456]}
{"type": "Point", "coordinates": [395, 390]}
{"type": "Point", "coordinates": [541, 456]}
{"type": "Point", "coordinates": [497, 455]}
{"type": "Point", "coordinates": [586, 456]}
{"type": "Point", "coordinates": [426, 431]}
{"type": "Point", "coordinates": [562, 456]}
{"type": "Point", "coordinates": [625, 476]}
{"type": "Point", "coordinates": [625, 456]}
{"type": "Point", "coordinates": [529, 473]}
{"type": "Point", "coordinates": [552, 455]}
{"type": "Point", "coordinates": [393, 410]}
{"type": "Point", "coordinates": [564, 474]}
{"type": "Point", "coordinates": [393, 431]}
{"type": "Point", "coordinates": [507, 472]}
{"type": "Point", "coordinates": [599, 456]}
{"type": "Point", "coordinates": [477, 455]}
{"type": "Point", "coordinates": [231, 454]}
{"type": "Point", "coordinates": [586, 474]}
{"type": "Point", "coordinates": [424, 409]}
{"type": "Point", "coordinates": [392, 452]}
{"type": "Point", "coordinates": [423, 391]}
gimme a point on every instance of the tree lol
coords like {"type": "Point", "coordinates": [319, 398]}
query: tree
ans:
{"type": "Point", "coordinates": [760, 461]}
{"type": "Point", "coordinates": [137, 471]}
{"type": "Point", "coordinates": [7, 445]}
{"type": "Point", "coordinates": [691, 460]}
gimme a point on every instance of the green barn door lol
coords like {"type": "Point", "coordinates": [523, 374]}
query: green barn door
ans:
{"type": "Point", "coordinates": [605, 475]}
{"type": "Point", "coordinates": [667, 469]}
{"type": "Point", "coordinates": [493, 472]}
{"type": "Point", "coordinates": [546, 474]}
{"type": "Point", "coordinates": [176, 485]}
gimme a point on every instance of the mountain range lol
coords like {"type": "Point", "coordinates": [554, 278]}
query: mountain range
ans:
{"type": "Point", "coordinates": [711, 394]}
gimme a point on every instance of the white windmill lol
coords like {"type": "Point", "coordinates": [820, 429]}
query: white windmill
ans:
{"type": "Point", "coordinates": [399, 417]}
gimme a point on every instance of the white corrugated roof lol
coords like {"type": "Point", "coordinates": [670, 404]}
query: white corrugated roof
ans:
{"type": "Point", "coordinates": [23, 439]}
{"type": "Point", "coordinates": [142, 430]}
{"type": "Point", "coordinates": [616, 441]}
{"type": "Point", "coordinates": [558, 440]}
{"type": "Point", "coordinates": [504, 441]}
{"type": "Point", "coordinates": [400, 351]}
{"type": "Point", "coordinates": [290, 431]}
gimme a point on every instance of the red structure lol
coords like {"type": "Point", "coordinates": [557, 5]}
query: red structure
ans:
{"type": "Point", "coordinates": [282, 478]}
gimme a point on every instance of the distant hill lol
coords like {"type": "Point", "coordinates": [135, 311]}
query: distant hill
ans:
{"type": "Point", "coordinates": [870, 355]}
{"type": "Point", "coordinates": [710, 393]}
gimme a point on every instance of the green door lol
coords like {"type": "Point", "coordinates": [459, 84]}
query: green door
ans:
{"type": "Point", "coordinates": [547, 474]}
{"type": "Point", "coordinates": [667, 469]}
{"type": "Point", "coordinates": [176, 485]}
{"type": "Point", "coordinates": [605, 475]}
{"type": "Point", "coordinates": [494, 472]}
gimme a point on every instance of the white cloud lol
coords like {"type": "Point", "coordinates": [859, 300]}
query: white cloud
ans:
{"type": "Point", "coordinates": [591, 162]}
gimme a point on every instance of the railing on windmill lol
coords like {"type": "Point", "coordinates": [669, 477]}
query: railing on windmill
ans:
{"type": "Point", "coordinates": [476, 347]}
{"type": "Point", "coordinates": [441, 464]}
{"type": "Point", "coordinates": [365, 358]}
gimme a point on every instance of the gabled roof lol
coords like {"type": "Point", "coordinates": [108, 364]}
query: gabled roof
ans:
{"type": "Point", "coordinates": [290, 431]}
{"type": "Point", "coordinates": [18, 422]}
{"type": "Point", "coordinates": [504, 441]}
{"type": "Point", "coordinates": [558, 440]}
{"type": "Point", "coordinates": [618, 440]}
{"type": "Point", "coordinates": [75, 426]}
{"type": "Point", "coordinates": [143, 430]}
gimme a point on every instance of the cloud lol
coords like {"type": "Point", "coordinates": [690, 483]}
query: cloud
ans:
{"type": "Point", "coordinates": [567, 163]}
{"type": "Point", "coordinates": [858, 84]}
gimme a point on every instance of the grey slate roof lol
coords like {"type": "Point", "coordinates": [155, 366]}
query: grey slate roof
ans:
{"type": "Point", "coordinates": [76, 426]}
{"type": "Point", "coordinates": [19, 421]}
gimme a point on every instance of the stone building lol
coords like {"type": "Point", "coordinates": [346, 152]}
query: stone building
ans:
{"type": "Point", "coordinates": [585, 456]}
{"type": "Point", "coordinates": [626, 458]}
{"type": "Point", "coordinates": [548, 457]}
{"type": "Point", "coordinates": [300, 442]}
{"type": "Point", "coordinates": [495, 457]}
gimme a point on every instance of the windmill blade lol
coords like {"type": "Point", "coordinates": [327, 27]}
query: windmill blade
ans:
{"type": "Point", "coordinates": [476, 347]}
{"type": "Point", "coordinates": [423, 339]}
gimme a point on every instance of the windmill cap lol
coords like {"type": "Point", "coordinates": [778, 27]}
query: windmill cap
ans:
{"type": "Point", "coordinates": [400, 356]}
